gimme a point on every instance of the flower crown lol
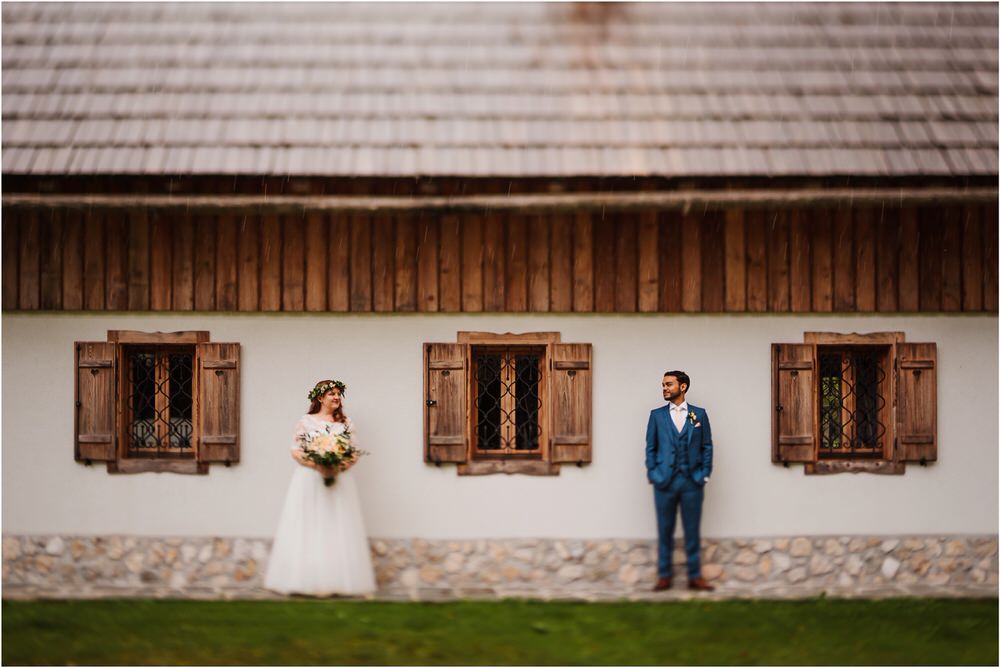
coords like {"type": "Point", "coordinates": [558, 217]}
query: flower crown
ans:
{"type": "Point", "coordinates": [320, 390]}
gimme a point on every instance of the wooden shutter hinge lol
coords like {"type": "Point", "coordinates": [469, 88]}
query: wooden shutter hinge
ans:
{"type": "Point", "coordinates": [923, 461]}
{"type": "Point", "coordinates": [227, 463]}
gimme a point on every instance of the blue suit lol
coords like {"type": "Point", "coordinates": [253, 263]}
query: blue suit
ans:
{"type": "Point", "coordinates": [677, 465]}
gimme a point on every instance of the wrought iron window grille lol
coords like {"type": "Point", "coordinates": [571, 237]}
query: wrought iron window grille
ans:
{"type": "Point", "coordinates": [852, 403]}
{"type": "Point", "coordinates": [160, 402]}
{"type": "Point", "coordinates": [508, 400]}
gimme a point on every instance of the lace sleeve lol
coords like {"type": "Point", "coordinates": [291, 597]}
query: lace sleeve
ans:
{"type": "Point", "coordinates": [300, 431]}
{"type": "Point", "coordinates": [349, 424]}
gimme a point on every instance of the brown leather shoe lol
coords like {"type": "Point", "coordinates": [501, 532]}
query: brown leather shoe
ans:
{"type": "Point", "coordinates": [699, 584]}
{"type": "Point", "coordinates": [661, 584]}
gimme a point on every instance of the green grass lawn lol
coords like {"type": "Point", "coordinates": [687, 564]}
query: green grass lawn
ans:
{"type": "Point", "coordinates": [819, 631]}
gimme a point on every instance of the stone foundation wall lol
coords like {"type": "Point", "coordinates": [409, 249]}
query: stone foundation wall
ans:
{"type": "Point", "coordinates": [76, 565]}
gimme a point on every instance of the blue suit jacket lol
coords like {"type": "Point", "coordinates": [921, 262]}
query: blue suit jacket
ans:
{"type": "Point", "coordinates": [694, 441]}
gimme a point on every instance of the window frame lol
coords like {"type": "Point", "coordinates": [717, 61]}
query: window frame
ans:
{"type": "Point", "coordinates": [897, 352]}
{"type": "Point", "coordinates": [541, 453]}
{"type": "Point", "coordinates": [450, 419]}
{"type": "Point", "coordinates": [129, 340]}
{"type": "Point", "coordinates": [101, 396]}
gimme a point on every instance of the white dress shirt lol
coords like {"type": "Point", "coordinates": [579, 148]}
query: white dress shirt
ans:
{"type": "Point", "coordinates": [678, 414]}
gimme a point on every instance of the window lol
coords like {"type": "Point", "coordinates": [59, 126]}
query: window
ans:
{"type": "Point", "coordinates": [507, 403]}
{"type": "Point", "coordinates": [157, 402]}
{"type": "Point", "coordinates": [159, 406]}
{"type": "Point", "coordinates": [854, 402]}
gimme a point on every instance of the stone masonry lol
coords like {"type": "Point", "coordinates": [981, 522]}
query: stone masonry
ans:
{"type": "Point", "coordinates": [84, 566]}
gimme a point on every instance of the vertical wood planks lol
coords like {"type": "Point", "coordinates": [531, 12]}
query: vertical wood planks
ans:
{"type": "Point", "coordinates": [909, 260]}
{"type": "Point", "coordinates": [161, 252]}
{"type": "Point", "coordinates": [583, 263]}
{"type": "Point", "coordinates": [51, 259]}
{"type": "Point", "coordinates": [406, 263]}
{"type": "Point", "coordinates": [361, 263]}
{"type": "Point", "coordinates": [713, 262]}
{"type": "Point", "coordinates": [736, 261]}
{"type": "Point", "coordinates": [989, 258]}
{"type": "Point", "coordinates": [72, 261]}
{"type": "Point", "coordinates": [10, 265]}
{"type": "Point", "coordinates": [820, 224]}
{"type": "Point", "coordinates": [951, 260]}
{"type": "Point", "coordinates": [972, 259]}
{"type": "Point", "coordinates": [226, 274]}
{"type": "Point", "coordinates": [205, 242]}
{"type": "Point", "coordinates": [626, 262]}
{"type": "Point", "coordinates": [450, 253]}
{"type": "Point", "coordinates": [864, 258]}
{"type": "Point", "coordinates": [116, 259]}
{"type": "Point", "coordinates": [843, 261]}
{"type": "Point", "coordinates": [249, 265]}
{"type": "Point", "coordinates": [931, 239]}
{"type": "Point", "coordinates": [777, 262]}
{"type": "Point", "coordinates": [517, 263]}
{"type": "Point", "coordinates": [562, 264]}
{"type": "Point", "coordinates": [183, 263]}
{"type": "Point", "coordinates": [339, 278]}
{"type": "Point", "coordinates": [29, 261]}
{"type": "Point", "coordinates": [317, 255]}
{"type": "Point", "coordinates": [809, 260]}
{"type": "Point", "coordinates": [538, 263]}
{"type": "Point", "coordinates": [494, 254]}
{"type": "Point", "coordinates": [887, 264]}
{"type": "Point", "coordinates": [427, 263]}
{"type": "Point", "coordinates": [604, 265]}
{"type": "Point", "coordinates": [270, 264]}
{"type": "Point", "coordinates": [670, 261]}
{"type": "Point", "coordinates": [800, 262]}
{"type": "Point", "coordinates": [756, 235]}
{"type": "Point", "coordinates": [649, 262]}
{"type": "Point", "coordinates": [293, 262]}
{"type": "Point", "coordinates": [383, 263]}
{"type": "Point", "coordinates": [138, 261]}
{"type": "Point", "coordinates": [690, 236]}
{"type": "Point", "coordinates": [472, 263]}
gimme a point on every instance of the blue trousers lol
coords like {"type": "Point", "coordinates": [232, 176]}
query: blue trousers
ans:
{"type": "Point", "coordinates": [684, 492]}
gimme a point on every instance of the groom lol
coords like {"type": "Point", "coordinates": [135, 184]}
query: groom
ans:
{"type": "Point", "coordinates": [678, 463]}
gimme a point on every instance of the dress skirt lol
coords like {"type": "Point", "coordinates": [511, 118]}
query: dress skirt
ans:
{"type": "Point", "coordinates": [320, 547]}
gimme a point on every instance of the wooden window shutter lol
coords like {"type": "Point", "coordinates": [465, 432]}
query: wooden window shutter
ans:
{"type": "Point", "coordinates": [218, 404]}
{"type": "Point", "coordinates": [94, 433]}
{"type": "Point", "coordinates": [916, 406]}
{"type": "Point", "coordinates": [571, 403]}
{"type": "Point", "coordinates": [794, 393]}
{"type": "Point", "coordinates": [446, 406]}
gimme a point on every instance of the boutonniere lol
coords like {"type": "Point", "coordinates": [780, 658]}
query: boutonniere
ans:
{"type": "Point", "coordinates": [692, 418]}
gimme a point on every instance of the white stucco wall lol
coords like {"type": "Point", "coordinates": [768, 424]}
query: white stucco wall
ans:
{"type": "Point", "coordinates": [380, 357]}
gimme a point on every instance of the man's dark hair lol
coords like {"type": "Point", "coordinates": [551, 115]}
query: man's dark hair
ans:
{"type": "Point", "coordinates": [682, 378]}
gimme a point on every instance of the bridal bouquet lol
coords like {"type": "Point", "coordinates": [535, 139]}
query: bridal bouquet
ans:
{"type": "Point", "coordinates": [330, 448]}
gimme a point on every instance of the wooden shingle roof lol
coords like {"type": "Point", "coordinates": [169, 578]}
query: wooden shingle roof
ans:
{"type": "Point", "coordinates": [500, 89]}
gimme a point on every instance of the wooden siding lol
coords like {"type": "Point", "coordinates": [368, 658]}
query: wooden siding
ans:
{"type": "Point", "coordinates": [931, 259]}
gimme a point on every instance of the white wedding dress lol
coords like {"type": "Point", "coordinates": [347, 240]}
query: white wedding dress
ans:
{"type": "Point", "coordinates": [320, 547]}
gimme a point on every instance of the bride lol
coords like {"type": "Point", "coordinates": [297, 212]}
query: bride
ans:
{"type": "Point", "coordinates": [320, 547]}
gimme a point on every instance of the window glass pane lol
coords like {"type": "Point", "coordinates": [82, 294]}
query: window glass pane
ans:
{"type": "Point", "coordinates": [489, 392]}
{"type": "Point", "coordinates": [527, 402]}
{"type": "Point", "coordinates": [160, 401]}
{"type": "Point", "coordinates": [142, 381]}
{"type": "Point", "coordinates": [830, 393]}
{"type": "Point", "coordinates": [868, 383]}
{"type": "Point", "coordinates": [851, 399]}
{"type": "Point", "coordinates": [181, 415]}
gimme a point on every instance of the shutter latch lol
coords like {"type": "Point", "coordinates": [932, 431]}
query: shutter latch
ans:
{"type": "Point", "coordinates": [432, 402]}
